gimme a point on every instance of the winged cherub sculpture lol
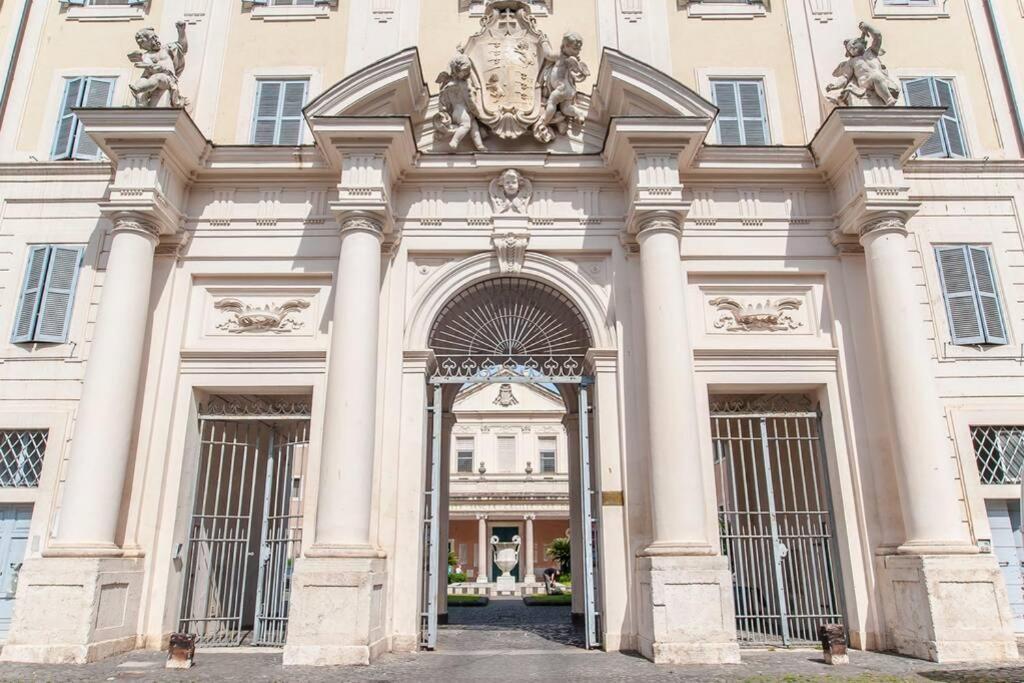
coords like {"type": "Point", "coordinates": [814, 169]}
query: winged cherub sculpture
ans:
{"type": "Point", "coordinates": [161, 66]}
{"type": "Point", "coordinates": [457, 112]}
{"type": "Point", "coordinates": [862, 79]}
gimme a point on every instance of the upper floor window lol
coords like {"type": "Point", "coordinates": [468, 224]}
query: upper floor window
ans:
{"type": "Point", "coordinates": [101, 3]}
{"type": "Point", "coordinates": [463, 454]}
{"type": "Point", "coordinates": [277, 118]}
{"type": "Point", "coordinates": [548, 455]}
{"type": "Point", "coordinates": [742, 117]}
{"type": "Point", "coordinates": [70, 141]}
{"type": "Point", "coordinates": [971, 296]}
{"type": "Point", "coordinates": [948, 139]}
{"type": "Point", "coordinates": [999, 451]}
{"type": "Point", "coordinates": [506, 454]}
{"type": "Point", "coordinates": [47, 294]}
{"type": "Point", "coordinates": [21, 457]}
{"type": "Point", "coordinates": [910, 3]}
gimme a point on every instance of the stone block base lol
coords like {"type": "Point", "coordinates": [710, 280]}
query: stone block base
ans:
{"type": "Point", "coordinates": [73, 610]}
{"type": "Point", "coordinates": [687, 613]}
{"type": "Point", "coordinates": [947, 608]}
{"type": "Point", "coordinates": [337, 612]}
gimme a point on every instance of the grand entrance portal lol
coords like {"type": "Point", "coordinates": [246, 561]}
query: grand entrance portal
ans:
{"type": "Point", "coordinates": [510, 330]}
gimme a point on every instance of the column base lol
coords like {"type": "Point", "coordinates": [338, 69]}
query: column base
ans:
{"type": "Point", "coordinates": [337, 611]}
{"type": "Point", "coordinates": [687, 613]}
{"type": "Point", "coordinates": [947, 608]}
{"type": "Point", "coordinates": [74, 610]}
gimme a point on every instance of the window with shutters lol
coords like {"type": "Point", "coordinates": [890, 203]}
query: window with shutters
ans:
{"type": "Point", "coordinates": [548, 455]}
{"type": "Point", "coordinates": [724, 9]}
{"type": "Point", "coordinates": [506, 454]}
{"type": "Point", "coordinates": [969, 289]}
{"type": "Point", "coordinates": [104, 10]}
{"type": "Point", "coordinates": [70, 140]}
{"type": "Point", "coordinates": [47, 294]}
{"type": "Point", "coordinates": [464, 454]}
{"type": "Point", "coordinates": [897, 8]}
{"type": "Point", "coordinates": [742, 113]}
{"type": "Point", "coordinates": [277, 115]}
{"type": "Point", "coordinates": [948, 140]}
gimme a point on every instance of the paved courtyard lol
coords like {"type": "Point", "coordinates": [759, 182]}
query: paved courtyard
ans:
{"type": "Point", "coordinates": [507, 640]}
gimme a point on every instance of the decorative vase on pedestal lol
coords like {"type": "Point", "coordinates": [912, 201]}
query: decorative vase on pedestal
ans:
{"type": "Point", "coordinates": [506, 557]}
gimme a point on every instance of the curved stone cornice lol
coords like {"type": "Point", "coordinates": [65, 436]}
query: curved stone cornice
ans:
{"type": "Point", "coordinates": [362, 223]}
{"type": "Point", "coordinates": [132, 222]}
{"type": "Point", "coordinates": [883, 224]}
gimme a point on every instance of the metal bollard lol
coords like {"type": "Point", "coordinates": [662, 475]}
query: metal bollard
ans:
{"type": "Point", "coordinates": [181, 651]}
{"type": "Point", "coordinates": [833, 643]}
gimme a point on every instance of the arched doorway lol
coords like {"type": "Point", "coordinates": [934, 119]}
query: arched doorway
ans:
{"type": "Point", "coordinates": [511, 331]}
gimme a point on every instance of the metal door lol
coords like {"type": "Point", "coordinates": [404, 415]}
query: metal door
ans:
{"type": "Point", "coordinates": [15, 521]}
{"type": "Point", "coordinates": [775, 519]}
{"type": "Point", "coordinates": [246, 526]}
{"type": "Point", "coordinates": [1005, 522]}
{"type": "Point", "coordinates": [589, 501]}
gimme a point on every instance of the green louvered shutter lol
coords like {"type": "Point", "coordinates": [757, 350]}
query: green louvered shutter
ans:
{"type": "Point", "coordinates": [31, 294]}
{"type": "Point", "coordinates": [58, 294]}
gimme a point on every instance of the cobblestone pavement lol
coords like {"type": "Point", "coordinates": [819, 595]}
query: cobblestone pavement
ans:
{"type": "Point", "coordinates": [507, 640]}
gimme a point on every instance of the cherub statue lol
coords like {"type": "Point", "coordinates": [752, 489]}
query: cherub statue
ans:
{"type": "Point", "coordinates": [510, 191]}
{"type": "Point", "coordinates": [457, 115]}
{"type": "Point", "coordinates": [862, 78]}
{"type": "Point", "coordinates": [561, 73]}
{"type": "Point", "coordinates": [161, 67]}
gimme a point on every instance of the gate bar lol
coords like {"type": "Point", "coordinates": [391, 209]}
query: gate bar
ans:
{"type": "Point", "coordinates": [586, 493]}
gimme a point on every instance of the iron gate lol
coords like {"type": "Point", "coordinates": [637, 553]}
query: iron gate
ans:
{"type": "Point", "coordinates": [245, 531]}
{"type": "Point", "coordinates": [775, 518]}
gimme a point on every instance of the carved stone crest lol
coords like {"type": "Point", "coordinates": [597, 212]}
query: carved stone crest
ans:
{"type": "Point", "coordinates": [769, 316]}
{"type": "Point", "coordinates": [507, 80]}
{"type": "Point", "coordinates": [505, 397]}
{"type": "Point", "coordinates": [510, 191]}
{"type": "Point", "coordinates": [268, 318]}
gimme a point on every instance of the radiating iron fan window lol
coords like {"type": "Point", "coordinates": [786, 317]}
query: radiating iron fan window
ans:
{"type": "Point", "coordinates": [999, 452]}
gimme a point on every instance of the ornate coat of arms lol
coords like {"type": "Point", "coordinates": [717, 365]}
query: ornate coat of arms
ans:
{"type": "Point", "coordinates": [508, 80]}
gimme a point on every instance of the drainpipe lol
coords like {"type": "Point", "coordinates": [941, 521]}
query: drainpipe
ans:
{"type": "Point", "coordinates": [12, 59]}
{"type": "Point", "coordinates": [1013, 92]}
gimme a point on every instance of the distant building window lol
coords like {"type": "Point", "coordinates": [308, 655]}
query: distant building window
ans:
{"type": "Point", "coordinates": [971, 296]}
{"type": "Point", "coordinates": [70, 141]}
{"type": "Point", "coordinates": [463, 454]}
{"type": "Point", "coordinates": [948, 139]}
{"type": "Point", "coordinates": [506, 454]}
{"type": "Point", "coordinates": [742, 117]}
{"type": "Point", "coordinates": [21, 457]}
{"type": "Point", "coordinates": [548, 456]}
{"type": "Point", "coordinates": [277, 119]}
{"type": "Point", "coordinates": [47, 294]}
{"type": "Point", "coordinates": [1000, 453]}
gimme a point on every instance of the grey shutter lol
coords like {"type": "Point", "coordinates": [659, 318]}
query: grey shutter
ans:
{"type": "Point", "coordinates": [64, 138]}
{"type": "Point", "coordinates": [99, 92]}
{"type": "Point", "coordinates": [920, 93]}
{"type": "Point", "coordinates": [988, 296]}
{"type": "Point", "coordinates": [59, 294]}
{"type": "Point", "coordinates": [728, 113]}
{"type": "Point", "coordinates": [31, 294]}
{"type": "Point", "coordinates": [958, 290]}
{"type": "Point", "coordinates": [752, 109]}
{"type": "Point", "coordinates": [950, 121]}
{"type": "Point", "coordinates": [264, 128]}
{"type": "Point", "coordinates": [290, 129]}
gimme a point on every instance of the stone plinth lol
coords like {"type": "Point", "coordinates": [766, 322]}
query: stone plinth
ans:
{"type": "Point", "coordinates": [947, 608]}
{"type": "Point", "coordinates": [687, 610]}
{"type": "Point", "coordinates": [337, 611]}
{"type": "Point", "coordinates": [74, 610]}
{"type": "Point", "coordinates": [505, 584]}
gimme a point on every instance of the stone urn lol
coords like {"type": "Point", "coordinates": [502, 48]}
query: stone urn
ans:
{"type": "Point", "coordinates": [506, 557]}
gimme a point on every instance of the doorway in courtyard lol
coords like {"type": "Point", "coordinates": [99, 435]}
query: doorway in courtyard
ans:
{"type": "Point", "coordinates": [509, 471]}
{"type": "Point", "coordinates": [245, 528]}
{"type": "Point", "coordinates": [775, 517]}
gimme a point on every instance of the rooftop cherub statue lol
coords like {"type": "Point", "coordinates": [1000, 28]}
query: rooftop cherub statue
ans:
{"type": "Point", "coordinates": [161, 67]}
{"type": "Point", "coordinates": [559, 77]}
{"type": "Point", "coordinates": [457, 113]}
{"type": "Point", "coordinates": [862, 78]}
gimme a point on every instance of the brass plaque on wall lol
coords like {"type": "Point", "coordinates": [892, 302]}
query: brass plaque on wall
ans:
{"type": "Point", "coordinates": [611, 498]}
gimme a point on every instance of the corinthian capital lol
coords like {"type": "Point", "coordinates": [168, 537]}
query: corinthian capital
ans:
{"type": "Point", "coordinates": [884, 224]}
{"type": "Point", "coordinates": [362, 223]}
{"type": "Point", "coordinates": [658, 222]}
{"type": "Point", "coordinates": [133, 222]}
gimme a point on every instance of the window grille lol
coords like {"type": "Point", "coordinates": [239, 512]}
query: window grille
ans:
{"type": "Point", "coordinates": [1000, 453]}
{"type": "Point", "coordinates": [21, 457]}
{"type": "Point", "coordinates": [464, 454]}
{"type": "Point", "coordinates": [547, 456]}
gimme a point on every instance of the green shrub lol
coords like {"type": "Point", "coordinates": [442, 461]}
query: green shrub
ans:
{"type": "Point", "coordinates": [457, 577]}
{"type": "Point", "coordinates": [564, 577]}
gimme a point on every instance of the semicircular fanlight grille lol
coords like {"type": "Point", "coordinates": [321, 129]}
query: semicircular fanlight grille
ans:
{"type": "Point", "coordinates": [512, 323]}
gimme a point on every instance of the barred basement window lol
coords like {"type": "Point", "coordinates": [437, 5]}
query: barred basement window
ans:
{"type": "Point", "coordinates": [1000, 453]}
{"type": "Point", "coordinates": [21, 457]}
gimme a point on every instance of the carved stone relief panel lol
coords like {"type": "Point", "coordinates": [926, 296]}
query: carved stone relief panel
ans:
{"type": "Point", "coordinates": [760, 310]}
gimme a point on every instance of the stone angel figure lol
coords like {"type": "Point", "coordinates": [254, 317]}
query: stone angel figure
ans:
{"type": "Point", "coordinates": [510, 191]}
{"type": "Point", "coordinates": [862, 79]}
{"type": "Point", "coordinates": [561, 73]}
{"type": "Point", "coordinates": [457, 115]}
{"type": "Point", "coordinates": [161, 68]}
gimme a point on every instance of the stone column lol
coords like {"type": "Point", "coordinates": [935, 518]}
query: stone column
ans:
{"type": "Point", "coordinates": [528, 576]}
{"type": "Point", "coordinates": [924, 468]}
{"type": "Point", "coordinates": [338, 613]}
{"type": "Point", "coordinates": [481, 549]}
{"type": "Point", "coordinates": [683, 569]}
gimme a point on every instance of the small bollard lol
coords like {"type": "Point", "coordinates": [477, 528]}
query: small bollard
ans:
{"type": "Point", "coordinates": [181, 651]}
{"type": "Point", "coordinates": [833, 643]}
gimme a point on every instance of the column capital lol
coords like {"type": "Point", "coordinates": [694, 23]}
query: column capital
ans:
{"type": "Point", "coordinates": [360, 222]}
{"type": "Point", "coordinates": [481, 517]}
{"type": "Point", "coordinates": [877, 225]}
{"type": "Point", "coordinates": [134, 222]}
{"type": "Point", "coordinates": [529, 516]}
{"type": "Point", "coordinates": [648, 224]}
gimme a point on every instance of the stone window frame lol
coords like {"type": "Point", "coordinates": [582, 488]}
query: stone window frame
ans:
{"type": "Point", "coordinates": [965, 110]}
{"type": "Point", "coordinates": [247, 97]}
{"type": "Point", "coordinates": [937, 10]}
{"type": "Point", "coordinates": [51, 110]}
{"type": "Point", "coordinates": [724, 9]}
{"type": "Point", "coordinates": [259, 11]}
{"type": "Point", "coordinates": [56, 423]}
{"type": "Point", "coordinates": [542, 441]}
{"type": "Point", "coordinates": [122, 12]}
{"type": "Point", "coordinates": [706, 75]}
{"type": "Point", "coordinates": [456, 451]}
